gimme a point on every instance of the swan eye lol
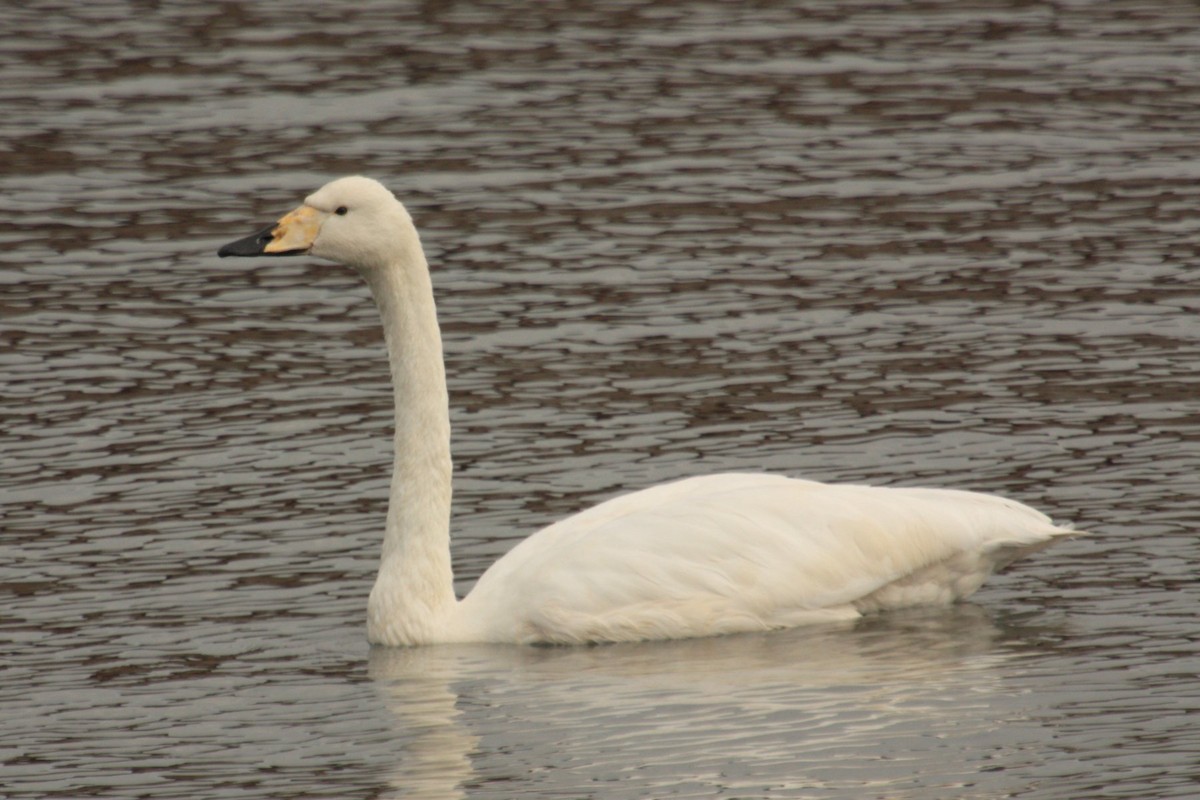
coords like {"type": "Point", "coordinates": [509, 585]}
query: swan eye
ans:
{"type": "Point", "coordinates": [341, 211]}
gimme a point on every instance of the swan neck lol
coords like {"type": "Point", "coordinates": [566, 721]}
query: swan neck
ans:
{"type": "Point", "coordinates": [414, 591]}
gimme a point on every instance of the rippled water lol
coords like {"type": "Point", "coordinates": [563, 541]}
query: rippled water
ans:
{"type": "Point", "coordinates": [905, 243]}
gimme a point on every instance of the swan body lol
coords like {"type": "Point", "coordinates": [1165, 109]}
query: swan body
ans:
{"type": "Point", "coordinates": [697, 557]}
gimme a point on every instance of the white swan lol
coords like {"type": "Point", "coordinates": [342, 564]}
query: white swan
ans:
{"type": "Point", "coordinates": [697, 557]}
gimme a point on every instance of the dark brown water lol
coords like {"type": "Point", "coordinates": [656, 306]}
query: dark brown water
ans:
{"type": "Point", "coordinates": [904, 243]}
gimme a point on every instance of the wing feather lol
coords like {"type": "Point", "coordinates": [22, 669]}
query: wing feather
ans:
{"type": "Point", "coordinates": [732, 552]}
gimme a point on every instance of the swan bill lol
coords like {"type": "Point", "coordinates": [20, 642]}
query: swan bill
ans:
{"type": "Point", "coordinates": [293, 235]}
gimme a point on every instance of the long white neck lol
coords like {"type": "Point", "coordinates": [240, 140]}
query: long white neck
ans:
{"type": "Point", "coordinates": [414, 592]}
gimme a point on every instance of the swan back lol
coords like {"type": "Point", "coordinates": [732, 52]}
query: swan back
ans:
{"type": "Point", "coordinates": [733, 552]}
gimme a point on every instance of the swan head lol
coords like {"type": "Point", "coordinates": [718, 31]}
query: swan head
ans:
{"type": "Point", "coordinates": [354, 221]}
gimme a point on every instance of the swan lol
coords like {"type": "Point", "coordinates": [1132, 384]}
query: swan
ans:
{"type": "Point", "coordinates": [701, 556]}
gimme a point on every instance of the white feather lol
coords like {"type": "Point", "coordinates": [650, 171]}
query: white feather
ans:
{"type": "Point", "coordinates": [734, 552]}
{"type": "Point", "coordinates": [697, 557]}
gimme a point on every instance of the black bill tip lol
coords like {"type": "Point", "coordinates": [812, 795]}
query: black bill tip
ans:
{"type": "Point", "coordinates": [254, 244]}
{"type": "Point", "coordinates": [250, 246]}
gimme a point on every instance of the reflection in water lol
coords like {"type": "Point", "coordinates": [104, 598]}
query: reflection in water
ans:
{"type": "Point", "coordinates": [418, 686]}
{"type": "Point", "coordinates": [836, 704]}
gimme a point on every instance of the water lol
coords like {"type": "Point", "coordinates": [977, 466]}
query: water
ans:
{"type": "Point", "coordinates": [936, 243]}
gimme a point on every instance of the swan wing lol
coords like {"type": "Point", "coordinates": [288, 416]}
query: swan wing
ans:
{"type": "Point", "coordinates": [734, 552]}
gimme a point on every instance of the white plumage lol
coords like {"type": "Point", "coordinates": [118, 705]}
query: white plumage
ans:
{"type": "Point", "coordinates": [697, 557]}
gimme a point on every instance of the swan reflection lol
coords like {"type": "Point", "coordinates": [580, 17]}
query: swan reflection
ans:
{"type": "Point", "coordinates": [801, 706]}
